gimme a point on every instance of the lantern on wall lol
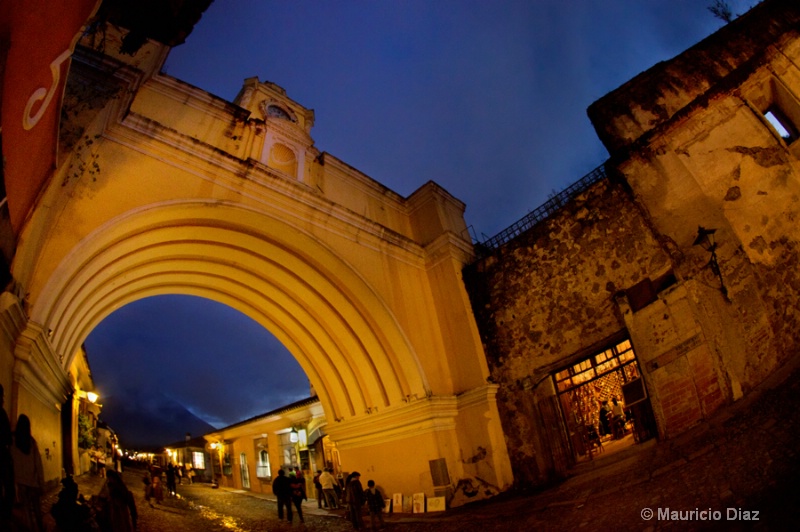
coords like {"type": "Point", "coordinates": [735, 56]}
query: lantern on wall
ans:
{"type": "Point", "coordinates": [705, 239]}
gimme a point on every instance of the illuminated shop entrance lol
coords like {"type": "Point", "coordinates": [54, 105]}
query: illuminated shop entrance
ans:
{"type": "Point", "coordinates": [604, 402]}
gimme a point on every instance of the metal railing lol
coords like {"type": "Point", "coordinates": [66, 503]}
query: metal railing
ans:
{"type": "Point", "coordinates": [541, 213]}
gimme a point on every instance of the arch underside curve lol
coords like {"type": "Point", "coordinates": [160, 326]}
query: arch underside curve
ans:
{"type": "Point", "coordinates": [342, 334]}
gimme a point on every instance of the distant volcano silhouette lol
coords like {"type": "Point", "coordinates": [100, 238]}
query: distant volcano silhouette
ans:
{"type": "Point", "coordinates": [144, 421]}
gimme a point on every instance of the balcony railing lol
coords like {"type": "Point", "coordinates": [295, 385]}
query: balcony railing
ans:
{"type": "Point", "coordinates": [541, 213]}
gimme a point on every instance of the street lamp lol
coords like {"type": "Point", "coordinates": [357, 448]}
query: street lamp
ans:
{"type": "Point", "coordinates": [705, 239]}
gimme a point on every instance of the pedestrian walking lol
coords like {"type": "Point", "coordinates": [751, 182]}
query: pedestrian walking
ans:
{"type": "Point", "coordinates": [375, 503]}
{"type": "Point", "coordinates": [283, 492]}
{"type": "Point", "coordinates": [154, 490]}
{"type": "Point", "coordinates": [117, 512]}
{"type": "Point", "coordinates": [117, 509]}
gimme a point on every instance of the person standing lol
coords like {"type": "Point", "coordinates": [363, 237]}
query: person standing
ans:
{"type": "Point", "coordinates": [605, 418]}
{"type": "Point", "coordinates": [299, 473]}
{"type": "Point", "coordinates": [28, 473]}
{"type": "Point", "coordinates": [118, 509]}
{"type": "Point", "coordinates": [355, 499]}
{"type": "Point", "coordinates": [375, 503]}
{"type": "Point", "coordinates": [7, 492]}
{"type": "Point", "coordinates": [154, 490]}
{"type": "Point", "coordinates": [297, 484]}
{"type": "Point", "coordinates": [70, 512]}
{"type": "Point", "coordinates": [318, 491]}
{"type": "Point", "coordinates": [327, 482]}
{"type": "Point", "coordinates": [619, 418]}
{"type": "Point", "coordinates": [172, 489]}
{"type": "Point", "coordinates": [283, 492]}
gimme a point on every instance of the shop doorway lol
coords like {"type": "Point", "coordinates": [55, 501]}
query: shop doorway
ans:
{"type": "Point", "coordinates": [604, 402]}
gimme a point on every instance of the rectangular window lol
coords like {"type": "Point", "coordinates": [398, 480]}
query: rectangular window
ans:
{"type": "Point", "coordinates": [609, 360]}
{"type": "Point", "coordinates": [289, 449]}
{"type": "Point", "coordinates": [227, 469]}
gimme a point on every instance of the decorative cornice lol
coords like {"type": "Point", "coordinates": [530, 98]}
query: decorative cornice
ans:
{"type": "Point", "coordinates": [12, 318]}
{"type": "Point", "coordinates": [38, 369]}
{"type": "Point", "coordinates": [479, 396]}
{"type": "Point", "coordinates": [416, 418]}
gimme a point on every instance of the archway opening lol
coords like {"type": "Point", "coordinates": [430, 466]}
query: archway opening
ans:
{"type": "Point", "coordinates": [171, 364]}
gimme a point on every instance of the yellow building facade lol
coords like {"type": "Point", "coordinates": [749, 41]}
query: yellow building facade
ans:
{"type": "Point", "coordinates": [248, 454]}
{"type": "Point", "coordinates": [166, 189]}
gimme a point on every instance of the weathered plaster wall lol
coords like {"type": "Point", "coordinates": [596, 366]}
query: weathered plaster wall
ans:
{"type": "Point", "coordinates": [714, 160]}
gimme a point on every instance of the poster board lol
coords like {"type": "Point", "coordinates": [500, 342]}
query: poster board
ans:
{"type": "Point", "coordinates": [418, 503]}
{"type": "Point", "coordinates": [436, 504]}
{"type": "Point", "coordinates": [406, 504]}
{"type": "Point", "coordinates": [397, 502]}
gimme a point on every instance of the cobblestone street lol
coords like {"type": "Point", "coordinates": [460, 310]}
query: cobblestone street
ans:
{"type": "Point", "coordinates": [745, 460]}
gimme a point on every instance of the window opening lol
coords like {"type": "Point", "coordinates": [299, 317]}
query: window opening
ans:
{"type": "Point", "coordinates": [782, 124]}
{"type": "Point", "coordinates": [227, 469]}
{"type": "Point", "coordinates": [198, 460]}
{"type": "Point", "coordinates": [289, 449]}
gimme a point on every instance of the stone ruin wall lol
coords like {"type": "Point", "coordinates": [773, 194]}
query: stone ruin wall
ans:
{"type": "Point", "coordinates": [546, 297]}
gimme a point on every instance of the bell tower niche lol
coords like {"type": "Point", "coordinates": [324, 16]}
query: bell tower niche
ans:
{"type": "Point", "coordinates": [287, 138]}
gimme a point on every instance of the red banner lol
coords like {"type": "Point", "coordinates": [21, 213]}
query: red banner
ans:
{"type": "Point", "coordinates": [38, 37]}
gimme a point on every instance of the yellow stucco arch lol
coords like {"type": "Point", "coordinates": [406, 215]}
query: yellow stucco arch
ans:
{"type": "Point", "coordinates": [167, 191]}
{"type": "Point", "coordinates": [343, 336]}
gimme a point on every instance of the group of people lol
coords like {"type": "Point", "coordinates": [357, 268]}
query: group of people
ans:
{"type": "Point", "coordinates": [290, 491]}
{"type": "Point", "coordinates": [22, 487]}
{"type": "Point", "coordinates": [612, 418]}
{"type": "Point", "coordinates": [113, 510]}
{"type": "Point", "coordinates": [356, 498]}
{"type": "Point", "coordinates": [21, 471]}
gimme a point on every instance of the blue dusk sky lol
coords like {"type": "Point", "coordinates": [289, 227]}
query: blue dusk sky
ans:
{"type": "Point", "coordinates": [486, 98]}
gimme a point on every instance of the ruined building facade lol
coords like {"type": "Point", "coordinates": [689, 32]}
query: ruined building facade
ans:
{"type": "Point", "coordinates": [614, 278]}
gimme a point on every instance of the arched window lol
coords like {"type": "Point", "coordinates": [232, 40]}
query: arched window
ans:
{"type": "Point", "coordinates": [263, 469]}
{"type": "Point", "coordinates": [274, 111]}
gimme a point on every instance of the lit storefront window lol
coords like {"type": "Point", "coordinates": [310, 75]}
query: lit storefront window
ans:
{"type": "Point", "coordinates": [198, 460]}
